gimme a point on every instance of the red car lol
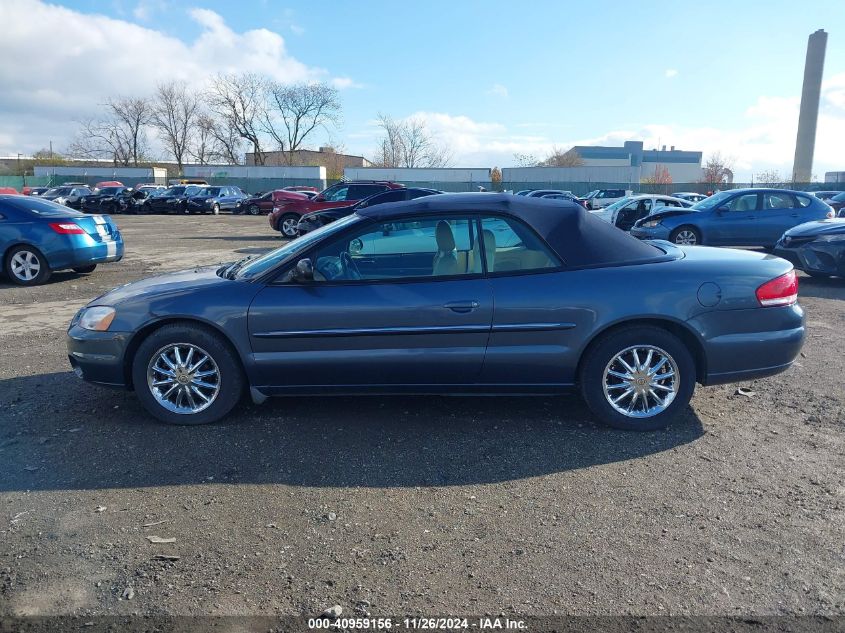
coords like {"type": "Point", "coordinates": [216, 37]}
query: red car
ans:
{"type": "Point", "coordinates": [289, 208]}
{"type": "Point", "coordinates": [265, 203]}
{"type": "Point", "coordinates": [108, 183]}
{"type": "Point", "coordinates": [9, 191]}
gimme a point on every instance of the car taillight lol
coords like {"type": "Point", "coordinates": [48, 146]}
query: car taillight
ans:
{"type": "Point", "coordinates": [780, 291]}
{"type": "Point", "coordinates": [66, 228]}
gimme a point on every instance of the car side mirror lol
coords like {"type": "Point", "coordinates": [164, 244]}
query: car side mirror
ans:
{"type": "Point", "coordinates": [722, 210]}
{"type": "Point", "coordinates": [303, 272]}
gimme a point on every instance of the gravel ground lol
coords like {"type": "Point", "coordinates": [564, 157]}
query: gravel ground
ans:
{"type": "Point", "coordinates": [406, 505]}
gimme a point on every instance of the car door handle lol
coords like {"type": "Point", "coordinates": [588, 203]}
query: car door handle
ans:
{"type": "Point", "coordinates": [461, 306]}
{"type": "Point", "coordinates": [794, 215]}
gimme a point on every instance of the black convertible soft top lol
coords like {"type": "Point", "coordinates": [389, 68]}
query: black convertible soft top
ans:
{"type": "Point", "coordinates": [577, 237]}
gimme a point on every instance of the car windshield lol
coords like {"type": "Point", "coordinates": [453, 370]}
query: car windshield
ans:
{"type": "Point", "coordinates": [175, 191]}
{"type": "Point", "coordinates": [262, 264]}
{"type": "Point", "coordinates": [713, 201]}
{"type": "Point", "coordinates": [57, 191]}
{"type": "Point", "coordinates": [618, 204]}
{"type": "Point", "coordinates": [839, 197]}
{"type": "Point", "coordinates": [210, 192]}
{"type": "Point", "coordinates": [109, 191]}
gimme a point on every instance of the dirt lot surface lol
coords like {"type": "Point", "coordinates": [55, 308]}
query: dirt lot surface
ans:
{"type": "Point", "coordinates": [405, 505]}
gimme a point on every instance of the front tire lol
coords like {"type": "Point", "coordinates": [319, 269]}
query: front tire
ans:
{"type": "Point", "coordinates": [253, 209]}
{"type": "Point", "coordinates": [187, 374]}
{"type": "Point", "coordinates": [637, 378]}
{"type": "Point", "coordinates": [287, 224]}
{"type": "Point", "coordinates": [686, 236]}
{"type": "Point", "coordinates": [215, 209]}
{"type": "Point", "coordinates": [26, 266]}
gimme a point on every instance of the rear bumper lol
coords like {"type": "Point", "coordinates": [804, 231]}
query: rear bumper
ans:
{"type": "Point", "coordinates": [746, 344]}
{"type": "Point", "coordinates": [84, 251]}
{"type": "Point", "coordinates": [97, 356]}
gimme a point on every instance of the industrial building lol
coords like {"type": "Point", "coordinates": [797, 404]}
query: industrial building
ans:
{"type": "Point", "coordinates": [683, 166]}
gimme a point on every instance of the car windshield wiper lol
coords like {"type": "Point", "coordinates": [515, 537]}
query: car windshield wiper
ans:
{"type": "Point", "coordinates": [230, 271]}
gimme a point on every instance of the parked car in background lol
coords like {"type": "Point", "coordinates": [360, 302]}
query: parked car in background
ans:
{"type": "Point", "coordinates": [35, 191]}
{"type": "Point", "coordinates": [601, 198]}
{"type": "Point", "coordinates": [264, 203]}
{"type": "Point", "coordinates": [316, 219]}
{"type": "Point", "coordinates": [690, 196]}
{"type": "Point", "coordinates": [91, 203]}
{"type": "Point", "coordinates": [739, 217]}
{"type": "Point", "coordinates": [149, 187]}
{"type": "Point", "coordinates": [9, 191]}
{"type": "Point", "coordinates": [523, 192]}
{"type": "Point", "coordinates": [128, 200]}
{"type": "Point", "coordinates": [172, 200]}
{"type": "Point", "coordinates": [68, 195]}
{"type": "Point", "coordinates": [625, 213]}
{"type": "Point", "coordinates": [108, 183]}
{"type": "Point", "coordinates": [302, 189]}
{"type": "Point", "coordinates": [321, 316]}
{"type": "Point", "coordinates": [824, 196]}
{"type": "Point", "coordinates": [215, 199]}
{"type": "Point", "coordinates": [837, 203]}
{"type": "Point", "coordinates": [39, 237]}
{"type": "Point", "coordinates": [287, 211]}
{"type": "Point", "coordinates": [817, 248]}
{"type": "Point", "coordinates": [542, 193]}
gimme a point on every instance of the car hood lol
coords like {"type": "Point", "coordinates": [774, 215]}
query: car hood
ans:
{"type": "Point", "coordinates": [660, 215]}
{"type": "Point", "coordinates": [177, 282]}
{"type": "Point", "coordinates": [834, 226]}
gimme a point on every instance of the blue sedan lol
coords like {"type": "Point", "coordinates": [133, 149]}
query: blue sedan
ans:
{"type": "Point", "coordinates": [739, 217]}
{"type": "Point", "coordinates": [452, 294]}
{"type": "Point", "coordinates": [38, 237]}
{"type": "Point", "coordinates": [214, 199]}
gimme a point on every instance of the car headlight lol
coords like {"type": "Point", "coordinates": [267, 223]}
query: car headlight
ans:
{"type": "Point", "coordinates": [96, 318]}
{"type": "Point", "coordinates": [650, 224]}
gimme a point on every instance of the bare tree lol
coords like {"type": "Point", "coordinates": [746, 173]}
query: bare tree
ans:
{"type": "Point", "coordinates": [213, 140]}
{"type": "Point", "coordinates": [525, 160]}
{"type": "Point", "coordinates": [772, 177]}
{"type": "Point", "coordinates": [408, 143]}
{"type": "Point", "coordinates": [238, 101]}
{"type": "Point", "coordinates": [302, 108]}
{"type": "Point", "coordinates": [174, 114]}
{"type": "Point", "coordinates": [119, 134]}
{"type": "Point", "coordinates": [562, 158]}
{"type": "Point", "coordinates": [718, 170]}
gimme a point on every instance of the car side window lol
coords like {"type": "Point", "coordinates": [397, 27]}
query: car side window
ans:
{"type": "Point", "coordinates": [745, 202]}
{"type": "Point", "coordinates": [336, 195]}
{"type": "Point", "coordinates": [425, 247]}
{"type": "Point", "coordinates": [511, 246]}
{"type": "Point", "coordinates": [804, 201]}
{"type": "Point", "coordinates": [778, 201]}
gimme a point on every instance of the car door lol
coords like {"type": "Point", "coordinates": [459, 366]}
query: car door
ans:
{"type": "Point", "coordinates": [735, 222]}
{"type": "Point", "coordinates": [780, 212]}
{"type": "Point", "coordinates": [537, 326]}
{"type": "Point", "coordinates": [417, 311]}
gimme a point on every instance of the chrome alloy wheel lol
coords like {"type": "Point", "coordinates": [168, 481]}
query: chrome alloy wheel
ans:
{"type": "Point", "coordinates": [25, 265]}
{"type": "Point", "coordinates": [686, 238]}
{"type": "Point", "coordinates": [289, 227]}
{"type": "Point", "coordinates": [183, 378]}
{"type": "Point", "coordinates": [641, 381]}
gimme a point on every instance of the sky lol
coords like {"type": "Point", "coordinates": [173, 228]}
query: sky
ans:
{"type": "Point", "coordinates": [491, 79]}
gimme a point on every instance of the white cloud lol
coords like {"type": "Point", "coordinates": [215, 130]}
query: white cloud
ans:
{"type": "Point", "coordinates": [92, 57]}
{"type": "Point", "coordinates": [342, 83]}
{"type": "Point", "coordinates": [498, 90]}
{"type": "Point", "coordinates": [144, 9]}
{"type": "Point", "coordinates": [670, 72]}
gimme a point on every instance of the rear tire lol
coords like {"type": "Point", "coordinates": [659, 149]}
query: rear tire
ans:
{"type": "Point", "coordinates": [223, 373]}
{"type": "Point", "coordinates": [666, 371]}
{"type": "Point", "coordinates": [686, 236]}
{"type": "Point", "coordinates": [84, 270]}
{"type": "Point", "coordinates": [253, 209]}
{"type": "Point", "coordinates": [26, 266]}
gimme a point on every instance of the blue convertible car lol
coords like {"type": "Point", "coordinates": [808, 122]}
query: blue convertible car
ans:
{"type": "Point", "coordinates": [450, 294]}
{"type": "Point", "coordinates": [739, 217]}
{"type": "Point", "coordinates": [38, 237]}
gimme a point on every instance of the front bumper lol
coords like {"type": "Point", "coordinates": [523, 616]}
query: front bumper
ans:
{"type": "Point", "coordinates": [658, 232]}
{"type": "Point", "coordinates": [746, 344]}
{"type": "Point", "coordinates": [98, 356]}
{"type": "Point", "coordinates": [815, 256]}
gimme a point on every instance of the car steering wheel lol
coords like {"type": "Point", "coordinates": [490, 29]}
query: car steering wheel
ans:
{"type": "Point", "coordinates": [350, 268]}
